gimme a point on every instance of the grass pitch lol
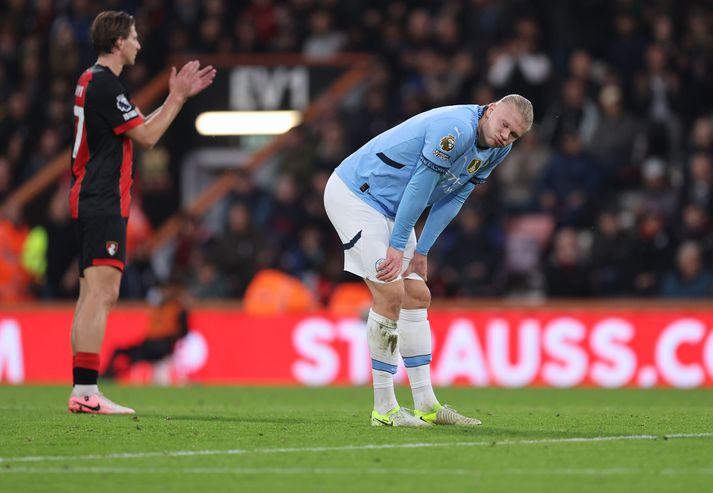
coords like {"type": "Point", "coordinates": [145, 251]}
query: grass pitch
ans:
{"type": "Point", "coordinates": [319, 440]}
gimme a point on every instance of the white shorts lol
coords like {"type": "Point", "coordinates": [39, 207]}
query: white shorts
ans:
{"type": "Point", "coordinates": [365, 232]}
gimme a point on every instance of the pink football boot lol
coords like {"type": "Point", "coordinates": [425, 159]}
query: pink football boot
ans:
{"type": "Point", "coordinates": [96, 404]}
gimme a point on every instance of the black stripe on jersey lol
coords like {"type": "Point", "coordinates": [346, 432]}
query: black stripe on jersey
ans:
{"type": "Point", "coordinates": [430, 164]}
{"type": "Point", "coordinates": [388, 161]}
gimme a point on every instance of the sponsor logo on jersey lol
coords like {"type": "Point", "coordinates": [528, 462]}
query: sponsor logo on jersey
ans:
{"type": "Point", "coordinates": [112, 247]}
{"type": "Point", "coordinates": [131, 114]}
{"type": "Point", "coordinates": [448, 142]}
{"type": "Point", "coordinates": [441, 155]}
{"type": "Point", "coordinates": [122, 103]}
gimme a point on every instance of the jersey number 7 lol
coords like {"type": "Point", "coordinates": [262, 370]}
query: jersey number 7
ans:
{"type": "Point", "coordinates": [79, 113]}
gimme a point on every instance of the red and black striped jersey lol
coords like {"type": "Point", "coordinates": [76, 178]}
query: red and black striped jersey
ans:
{"type": "Point", "coordinates": [102, 164]}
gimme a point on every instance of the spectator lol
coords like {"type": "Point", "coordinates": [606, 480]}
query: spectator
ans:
{"type": "Point", "coordinates": [610, 258]}
{"type": "Point", "coordinates": [517, 179]}
{"type": "Point", "coordinates": [285, 212]}
{"type": "Point", "coordinates": [698, 182]}
{"type": "Point", "coordinates": [168, 323]}
{"type": "Point", "coordinates": [651, 254]}
{"type": "Point", "coordinates": [14, 279]}
{"type": "Point", "coordinates": [575, 113]}
{"type": "Point", "coordinates": [520, 66]}
{"type": "Point", "coordinates": [62, 274]}
{"type": "Point", "coordinates": [237, 251]}
{"type": "Point", "coordinates": [655, 195]}
{"type": "Point", "coordinates": [689, 279]}
{"type": "Point", "coordinates": [207, 282]}
{"type": "Point", "coordinates": [570, 183]}
{"type": "Point", "coordinates": [626, 47]}
{"type": "Point", "coordinates": [657, 96]}
{"type": "Point", "coordinates": [323, 41]}
{"type": "Point", "coordinates": [566, 268]}
{"type": "Point", "coordinates": [701, 136]}
{"type": "Point", "coordinates": [695, 225]}
{"type": "Point", "coordinates": [472, 257]}
{"type": "Point", "coordinates": [616, 136]}
{"type": "Point", "coordinates": [581, 69]}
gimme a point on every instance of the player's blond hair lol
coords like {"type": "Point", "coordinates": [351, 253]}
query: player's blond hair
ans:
{"type": "Point", "coordinates": [523, 105]}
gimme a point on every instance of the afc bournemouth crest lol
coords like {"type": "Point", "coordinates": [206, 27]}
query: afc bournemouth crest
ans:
{"type": "Point", "coordinates": [112, 247]}
{"type": "Point", "coordinates": [448, 142]}
{"type": "Point", "coordinates": [474, 166]}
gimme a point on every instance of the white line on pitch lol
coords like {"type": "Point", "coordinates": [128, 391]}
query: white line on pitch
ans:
{"type": "Point", "coordinates": [193, 453]}
{"type": "Point", "coordinates": [589, 471]}
{"type": "Point", "coordinates": [239, 470]}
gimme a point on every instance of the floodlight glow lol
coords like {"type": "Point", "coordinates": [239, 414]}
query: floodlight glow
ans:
{"type": "Point", "coordinates": [247, 122]}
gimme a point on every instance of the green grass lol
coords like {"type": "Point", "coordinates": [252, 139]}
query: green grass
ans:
{"type": "Point", "coordinates": [518, 448]}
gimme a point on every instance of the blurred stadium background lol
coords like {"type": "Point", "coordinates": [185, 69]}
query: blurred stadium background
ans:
{"type": "Point", "coordinates": [586, 259]}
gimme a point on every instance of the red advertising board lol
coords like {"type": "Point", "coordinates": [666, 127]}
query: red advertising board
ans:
{"type": "Point", "coordinates": [511, 348]}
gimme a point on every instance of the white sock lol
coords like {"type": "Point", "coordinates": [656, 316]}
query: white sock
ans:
{"type": "Point", "coordinates": [415, 347]}
{"type": "Point", "coordinates": [84, 390]}
{"type": "Point", "coordinates": [382, 338]}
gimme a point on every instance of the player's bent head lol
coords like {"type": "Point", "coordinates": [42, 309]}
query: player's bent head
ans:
{"type": "Point", "coordinates": [524, 107]}
{"type": "Point", "coordinates": [108, 27]}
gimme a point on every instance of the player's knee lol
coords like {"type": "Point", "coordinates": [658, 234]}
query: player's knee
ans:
{"type": "Point", "coordinates": [393, 299]}
{"type": "Point", "coordinates": [422, 299]}
{"type": "Point", "coordinates": [417, 296]}
{"type": "Point", "coordinates": [393, 306]}
{"type": "Point", "coordinates": [107, 294]}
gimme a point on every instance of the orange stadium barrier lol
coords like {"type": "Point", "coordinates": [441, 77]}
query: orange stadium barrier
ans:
{"type": "Point", "coordinates": [558, 347]}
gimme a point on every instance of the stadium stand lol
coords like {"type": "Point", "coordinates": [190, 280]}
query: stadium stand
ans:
{"type": "Point", "coordinates": [610, 195]}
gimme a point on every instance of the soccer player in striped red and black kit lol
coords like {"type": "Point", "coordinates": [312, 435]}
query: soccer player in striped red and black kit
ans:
{"type": "Point", "coordinates": [106, 125]}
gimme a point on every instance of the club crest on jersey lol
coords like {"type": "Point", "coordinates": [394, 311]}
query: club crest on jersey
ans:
{"type": "Point", "coordinates": [474, 166]}
{"type": "Point", "coordinates": [122, 103]}
{"type": "Point", "coordinates": [448, 142]}
{"type": "Point", "coordinates": [112, 247]}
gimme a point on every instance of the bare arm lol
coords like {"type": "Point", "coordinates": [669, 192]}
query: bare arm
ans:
{"type": "Point", "coordinates": [153, 113]}
{"type": "Point", "coordinates": [188, 82]}
{"type": "Point", "coordinates": [148, 134]}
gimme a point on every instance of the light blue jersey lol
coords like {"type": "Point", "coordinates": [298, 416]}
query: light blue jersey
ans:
{"type": "Point", "coordinates": [430, 159]}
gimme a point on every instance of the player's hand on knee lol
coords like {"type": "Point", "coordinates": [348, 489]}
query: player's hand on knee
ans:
{"type": "Point", "coordinates": [419, 265]}
{"type": "Point", "coordinates": [390, 268]}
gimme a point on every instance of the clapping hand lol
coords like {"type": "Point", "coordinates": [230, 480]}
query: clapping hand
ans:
{"type": "Point", "coordinates": [191, 79]}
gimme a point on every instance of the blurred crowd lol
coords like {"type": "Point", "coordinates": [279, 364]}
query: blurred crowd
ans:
{"type": "Point", "coordinates": [610, 194]}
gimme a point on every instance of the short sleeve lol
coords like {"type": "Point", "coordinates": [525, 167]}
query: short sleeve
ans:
{"type": "Point", "coordinates": [115, 107]}
{"type": "Point", "coordinates": [445, 141]}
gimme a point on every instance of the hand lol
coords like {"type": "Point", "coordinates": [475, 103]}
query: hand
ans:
{"type": "Point", "coordinates": [189, 81]}
{"type": "Point", "coordinates": [390, 268]}
{"type": "Point", "coordinates": [206, 75]}
{"type": "Point", "coordinates": [419, 265]}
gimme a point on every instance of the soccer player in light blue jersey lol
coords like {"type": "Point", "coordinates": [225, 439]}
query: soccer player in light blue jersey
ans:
{"type": "Point", "coordinates": [374, 198]}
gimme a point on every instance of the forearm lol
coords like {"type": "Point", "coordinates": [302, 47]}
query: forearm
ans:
{"type": "Point", "coordinates": [160, 119]}
{"type": "Point", "coordinates": [413, 202]}
{"type": "Point", "coordinates": [153, 114]}
{"type": "Point", "coordinates": [442, 213]}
